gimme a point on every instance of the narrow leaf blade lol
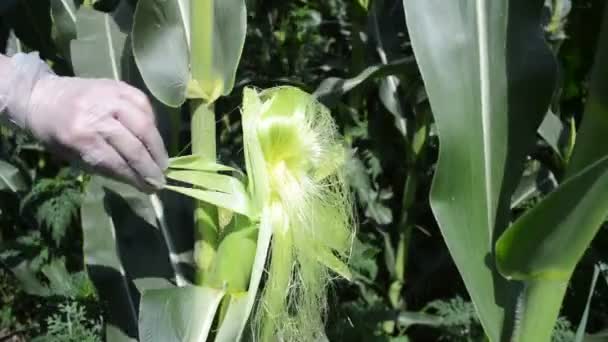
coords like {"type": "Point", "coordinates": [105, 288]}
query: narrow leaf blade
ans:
{"type": "Point", "coordinates": [488, 101]}
{"type": "Point", "coordinates": [235, 202]}
{"type": "Point", "coordinates": [178, 314]}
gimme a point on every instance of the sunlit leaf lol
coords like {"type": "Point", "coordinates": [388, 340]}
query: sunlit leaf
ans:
{"type": "Point", "coordinates": [543, 246]}
{"type": "Point", "coordinates": [178, 314]}
{"type": "Point", "coordinates": [211, 181]}
{"type": "Point", "coordinates": [233, 201]}
{"type": "Point", "coordinates": [554, 132]}
{"type": "Point", "coordinates": [196, 163]}
{"type": "Point", "coordinates": [100, 44]}
{"type": "Point", "coordinates": [63, 13]}
{"type": "Point", "coordinates": [120, 265]}
{"type": "Point", "coordinates": [217, 44]}
{"type": "Point", "coordinates": [160, 33]}
{"type": "Point", "coordinates": [10, 178]}
{"type": "Point", "coordinates": [240, 308]}
{"type": "Point", "coordinates": [489, 76]}
{"type": "Point", "coordinates": [580, 332]}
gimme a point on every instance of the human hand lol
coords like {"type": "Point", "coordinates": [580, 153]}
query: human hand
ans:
{"type": "Point", "coordinates": [105, 125]}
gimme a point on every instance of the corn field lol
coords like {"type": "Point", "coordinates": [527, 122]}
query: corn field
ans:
{"type": "Point", "coordinates": [366, 170]}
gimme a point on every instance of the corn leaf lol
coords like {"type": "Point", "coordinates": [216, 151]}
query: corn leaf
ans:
{"type": "Point", "coordinates": [580, 332]}
{"type": "Point", "coordinates": [489, 77]}
{"type": "Point", "coordinates": [240, 307]}
{"type": "Point", "coordinates": [544, 245]}
{"type": "Point", "coordinates": [332, 88]}
{"type": "Point", "coordinates": [237, 202]}
{"type": "Point", "coordinates": [217, 44]}
{"type": "Point", "coordinates": [211, 181]}
{"type": "Point", "coordinates": [196, 163]}
{"type": "Point", "coordinates": [554, 133]}
{"type": "Point", "coordinates": [63, 13]}
{"type": "Point", "coordinates": [124, 251]}
{"type": "Point", "coordinates": [548, 240]}
{"type": "Point", "coordinates": [334, 263]}
{"type": "Point", "coordinates": [161, 33]}
{"type": "Point", "coordinates": [231, 268]}
{"type": "Point", "coordinates": [535, 182]}
{"type": "Point", "coordinates": [178, 314]}
{"type": "Point", "coordinates": [254, 157]}
{"type": "Point", "coordinates": [10, 178]}
{"type": "Point", "coordinates": [99, 48]}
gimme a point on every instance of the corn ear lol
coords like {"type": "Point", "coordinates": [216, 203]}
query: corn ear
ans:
{"type": "Point", "coordinates": [309, 205]}
{"type": "Point", "coordinates": [297, 196]}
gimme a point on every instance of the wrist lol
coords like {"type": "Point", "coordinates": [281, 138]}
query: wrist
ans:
{"type": "Point", "coordinates": [22, 76]}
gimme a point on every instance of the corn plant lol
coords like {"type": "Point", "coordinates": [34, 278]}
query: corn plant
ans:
{"type": "Point", "coordinates": [490, 76]}
{"type": "Point", "coordinates": [264, 245]}
{"type": "Point", "coordinates": [294, 193]}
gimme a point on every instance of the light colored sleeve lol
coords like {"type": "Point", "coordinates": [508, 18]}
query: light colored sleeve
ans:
{"type": "Point", "coordinates": [18, 75]}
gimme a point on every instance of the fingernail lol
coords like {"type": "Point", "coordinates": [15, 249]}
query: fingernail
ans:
{"type": "Point", "coordinates": [164, 163]}
{"type": "Point", "coordinates": [157, 183]}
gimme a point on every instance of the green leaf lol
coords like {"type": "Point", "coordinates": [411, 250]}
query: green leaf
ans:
{"type": "Point", "coordinates": [25, 272]}
{"type": "Point", "coordinates": [554, 132]}
{"type": "Point", "coordinates": [237, 202]}
{"type": "Point", "coordinates": [10, 178]}
{"type": "Point", "coordinates": [240, 307]}
{"type": "Point", "coordinates": [218, 35]}
{"type": "Point", "coordinates": [535, 182]}
{"type": "Point", "coordinates": [178, 314]}
{"type": "Point", "coordinates": [547, 241]}
{"type": "Point", "coordinates": [580, 332]}
{"type": "Point", "coordinates": [489, 76]}
{"type": "Point", "coordinates": [331, 89]}
{"type": "Point", "coordinates": [99, 48]}
{"type": "Point", "coordinates": [544, 245]}
{"type": "Point", "coordinates": [125, 250]}
{"type": "Point", "coordinates": [594, 127]}
{"type": "Point", "coordinates": [211, 181]}
{"type": "Point", "coordinates": [254, 157]}
{"type": "Point", "coordinates": [161, 33]}
{"type": "Point", "coordinates": [231, 268]}
{"type": "Point", "coordinates": [197, 163]}
{"type": "Point", "coordinates": [54, 204]}
{"type": "Point", "coordinates": [13, 45]}
{"type": "Point", "coordinates": [383, 34]}
{"type": "Point", "coordinates": [59, 278]}
{"type": "Point", "coordinates": [63, 13]}
{"type": "Point", "coordinates": [327, 258]}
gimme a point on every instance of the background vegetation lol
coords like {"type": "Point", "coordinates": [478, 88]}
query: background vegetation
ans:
{"type": "Point", "coordinates": [355, 55]}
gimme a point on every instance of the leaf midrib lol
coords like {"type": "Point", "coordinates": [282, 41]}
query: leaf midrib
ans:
{"type": "Point", "coordinates": [484, 79]}
{"type": "Point", "coordinates": [112, 53]}
{"type": "Point", "coordinates": [69, 10]}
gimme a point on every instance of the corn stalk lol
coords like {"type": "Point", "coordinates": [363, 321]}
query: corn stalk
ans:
{"type": "Point", "coordinates": [293, 156]}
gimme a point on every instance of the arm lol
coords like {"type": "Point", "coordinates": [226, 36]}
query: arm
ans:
{"type": "Point", "coordinates": [106, 126]}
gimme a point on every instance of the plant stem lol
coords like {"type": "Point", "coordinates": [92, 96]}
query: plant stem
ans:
{"type": "Point", "coordinates": [205, 215]}
{"type": "Point", "coordinates": [175, 120]}
{"type": "Point", "coordinates": [537, 310]}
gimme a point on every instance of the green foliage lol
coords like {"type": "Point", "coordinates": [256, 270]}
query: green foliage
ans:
{"type": "Point", "coordinates": [563, 331]}
{"type": "Point", "coordinates": [54, 203]}
{"type": "Point", "coordinates": [71, 324]}
{"type": "Point", "coordinates": [458, 318]}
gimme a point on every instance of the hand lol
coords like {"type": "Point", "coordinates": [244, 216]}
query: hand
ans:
{"type": "Point", "coordinates": [106, 125]}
